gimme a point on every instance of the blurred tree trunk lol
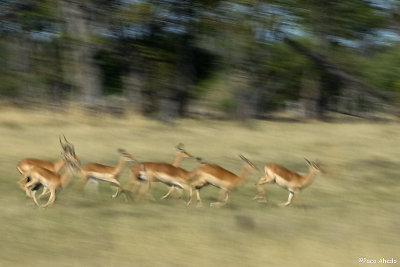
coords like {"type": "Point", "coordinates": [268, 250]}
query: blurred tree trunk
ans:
{"type": "Point", "coordinates": [80, 65]}
{"type": "Point", "coordinates": [133, 84]}
{"type": "Point", "coordinates": [185, 73]}
{"type": "Point", "coordinates": [19, 63]}
{"type": "Point", "coordinates": [310, 94]}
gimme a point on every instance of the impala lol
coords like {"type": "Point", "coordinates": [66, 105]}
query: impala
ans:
{"type": "Point", "coordinates": [155, 171]}
{"type": "Point", "coordinates": [26, 164]}
{"type": "Point", "coordinates": [287, 179]}
{"type": "Point", "coordinates": [52, 181]}
{"type": "Point", "coordinates": [219, 177]}
{"type": "Point", "coordinates": [167, 174]}
{"type": "Point", "coordinates": [105, 173]}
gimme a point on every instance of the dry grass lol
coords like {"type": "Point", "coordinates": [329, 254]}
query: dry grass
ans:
{"type": "Point", "coordinates": [350, 212]}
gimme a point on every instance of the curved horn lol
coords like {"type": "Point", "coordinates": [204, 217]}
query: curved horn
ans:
{"type": "Point", "coordinates": [317, 165]}
{"type": "Point", "coordinates": [308, 162]}
{"type": "Point", "coordinates": [61, 143]}
{"type": "Point", "coordinates": [244, 159]}
{"type": "Point", "coordinates": [69, 143]}
{"type": "Point", "coordinates": [248, 162]}
{"type": "Point", "coordinates": [67, 146]}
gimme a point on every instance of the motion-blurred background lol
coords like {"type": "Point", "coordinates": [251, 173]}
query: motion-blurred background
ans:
{"type": "Point", "coordinates": [235, 59]}
{"type": "Point", "coordinates": [296, 71]}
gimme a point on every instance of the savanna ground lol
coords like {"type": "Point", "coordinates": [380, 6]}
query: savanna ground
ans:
{"type": "Point", "coordinates": [350, 212]}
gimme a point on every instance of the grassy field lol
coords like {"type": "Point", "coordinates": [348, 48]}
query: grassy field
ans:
{"type": "Point", "coordinates": [350, 212]}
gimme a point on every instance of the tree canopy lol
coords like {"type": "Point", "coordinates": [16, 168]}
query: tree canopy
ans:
{"type": "Point", "coordinates": [244, 58]}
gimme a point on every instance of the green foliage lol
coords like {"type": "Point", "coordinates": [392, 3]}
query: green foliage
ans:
{"type": "Point", "coordinates": [382, 70]}
{"type": "Point", "coordinates": [343, 19]}
{"type": "Point", "coordinates": [112, 69]}
{"type": "Point", "coordinates": [227, 105]}
{"type": "Point", "coordinates": [177, 48]}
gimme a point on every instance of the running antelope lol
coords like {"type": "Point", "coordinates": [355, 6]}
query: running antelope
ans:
{"type": "Point", "coordinates": [26, 164]}
{"type": "Point", "coordinates": [219, 177]}
{"type": "Point", "coordinates": [167, 174]}
{"type": "Point", "coordinates": [52, 181]}
{"type": "Point", "coordinates": [287, 179]}
{"type": "Point", "coordinates": [105, 173]}
{"type": "Point", "coordinates": [155, 171]}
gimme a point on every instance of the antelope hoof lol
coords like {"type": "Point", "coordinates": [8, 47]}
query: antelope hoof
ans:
{"type": "Point", "coordinates": [199, 205]}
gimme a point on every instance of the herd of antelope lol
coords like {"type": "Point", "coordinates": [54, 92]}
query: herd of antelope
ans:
{"type": "Point", "coordinates": [55, 175]}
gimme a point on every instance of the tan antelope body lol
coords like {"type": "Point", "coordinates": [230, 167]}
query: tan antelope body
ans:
{"type": "Point", "coordinates": [169, 174]}
{"type": "Point", "coordinates": [50, 180]}
{"type": "Point", "coordinates": [105, 173]}
{"type": "Point", "coordinates": [287, 179]}
{"type": "Point", "coordinates": [211, 174]}
{"type": "Point", "coordinates": [27, 164]}
{"type": "Point", "coordinates": [166, 174]}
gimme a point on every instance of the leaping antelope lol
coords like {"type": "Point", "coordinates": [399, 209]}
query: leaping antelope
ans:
{"type": "Point", "coordinates": [154, 171]}
{"type": "Point", "coordinates": [211, 174]}
{"type": "Point", "coordinates": [105, 173]}
{"type": "Point", "coordinates": [287, 179]}
{"type": "Point", "coordinates": [26, 164]}
{"type": "Point", "coordinates": [52, 181]}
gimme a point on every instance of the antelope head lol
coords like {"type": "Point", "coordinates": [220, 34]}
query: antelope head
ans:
{"type": "Point", "coordinates": [199, 160]}
{"type": "Point", "coordinates": [71, 161]}
{"type": "Point", "coordinates": [314, 166]}
{"type": "Point", "coordinates": [126, 155]}
{"type": "Point", "coordinates": [68, 148]}
{"type": "Point", "coordinates": [180, 149]}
